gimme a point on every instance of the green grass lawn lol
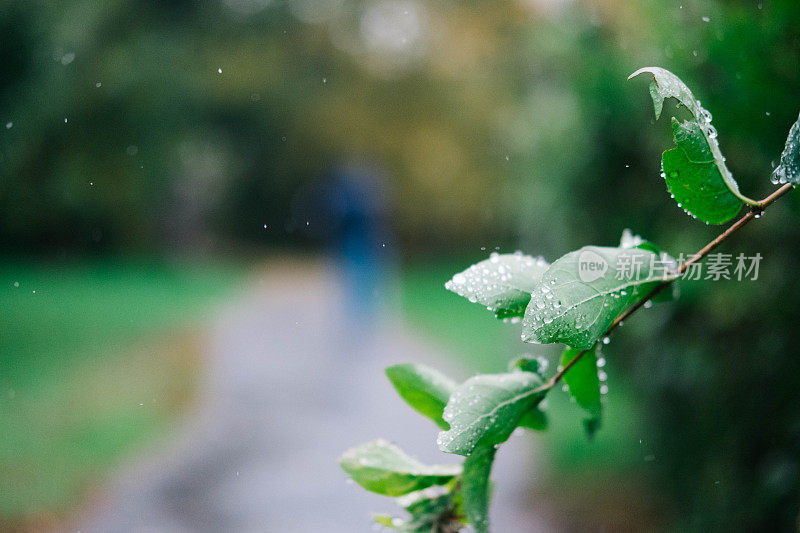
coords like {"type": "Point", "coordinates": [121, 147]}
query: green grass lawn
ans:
{"type": "Point", "coordinates": [484, 344]}
{"type": "Point", "coordinates": [95, 358]}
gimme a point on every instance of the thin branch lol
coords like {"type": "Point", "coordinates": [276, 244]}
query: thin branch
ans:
{"type": "Point", "coordinates": [754, 212]}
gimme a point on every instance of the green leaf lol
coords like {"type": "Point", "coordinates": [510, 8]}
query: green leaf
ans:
{"type": "Point", "coordinates": [694, 178]}
{"type": "Point", "coordinates": [695, 171]}
{"type": "Point", "coordinates": [535, 419]}
{"type": "Point", "coordinates": [582, 380]}
{"type": "Point", "coordinates": [382, 467]}
{"type": "Point", "coordinates": [485, 410]}
{"type": "Point", "coordinates": [537, 365]}
{"type": "Point", "coordinates": [583, 383]}
{"type": "Point", "coordinates": [475, 487]}
{"type": "Point", "coordinates": [385, 520]}
{"type": "Point", "coordinates": [583, 292]}
{"type": "Point", "coordinates": [435, 509]}
{"type": "Point", "coordinates": [432, 513]}
{"type": "Point", "coordinates": [502, 283]}
{"type": "Point", "coordinates": [629, 240]}
{"type": "Point", "coordinates": [788, 171]}
{"type": "Point", "coordinates": [665, 85]}
{"type": "Point", "coordinates": [591, 425]}
{"type": "Point", "coordinates": [425, 389]}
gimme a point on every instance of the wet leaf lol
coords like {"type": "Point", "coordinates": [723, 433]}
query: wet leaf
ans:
{"type": "Point", "coordinates": [485, 410]}
{"type": "Point", "coordinates": [693, 176]}
{"type": "Point", "coordinates": [665, 85]}
{"type": "Point", "coordinates": [584, 384]}
{"type": "Point", "coordinates": [629, 240]}
{"type": "Point", "coordinates": [425, 389]}
{"type": "Point", "coordinates": [476, 488]}
{"type": "Point", "coordinates": [429, 513]}
{"type": "Point", "coordinates": [438, 513]}
{"type": "Point", "coordinates": [583, 292]}
{"type": "Point", "coordinates": [382, 467]}
{"type": "Point", "coordinates": [695, 171]}
{"type": "Point", "coordinates": [537, 365]}
{"type": "Point", "coordinates": [788, 171]}
{"type": "Point", "coordinates": [535, 419]}
{"type": "Point", "coordinates": [502, 283]}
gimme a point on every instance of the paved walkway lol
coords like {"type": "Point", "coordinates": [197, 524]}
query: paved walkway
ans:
{"type": "Point", "coordinates": [292, 383]}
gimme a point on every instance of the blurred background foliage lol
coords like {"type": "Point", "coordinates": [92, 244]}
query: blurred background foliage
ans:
{"type": "Point", "coordinates": [169, 127]}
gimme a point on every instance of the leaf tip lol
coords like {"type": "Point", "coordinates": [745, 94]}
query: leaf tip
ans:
{"type": "Point", "coordinates": [640, 71]}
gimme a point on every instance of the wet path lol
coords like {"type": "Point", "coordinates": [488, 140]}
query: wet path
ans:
{"type": "Point", "coordinates": [291, 384]}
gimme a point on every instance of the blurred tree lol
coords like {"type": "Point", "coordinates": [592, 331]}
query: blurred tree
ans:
{"type": "Point", "coordinates": [130, 125]}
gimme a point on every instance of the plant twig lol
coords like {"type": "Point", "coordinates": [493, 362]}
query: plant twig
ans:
{"type": "Point", "coordinates": [754, 212]}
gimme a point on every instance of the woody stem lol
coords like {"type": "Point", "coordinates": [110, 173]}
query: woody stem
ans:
{"type": "Point", "coordinates": [754, 212]}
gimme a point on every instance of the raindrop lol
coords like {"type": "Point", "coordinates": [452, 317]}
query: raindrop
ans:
{"type": "Point", "coordinates": [606, 340]}
{"type": "Point", "coordinates": [219, 70]}
{"type": "Point", "coordinates": [9, 125]}
{"type": "Point", "coordinates": [706, 19]}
